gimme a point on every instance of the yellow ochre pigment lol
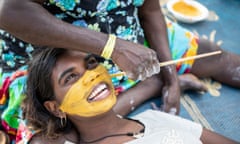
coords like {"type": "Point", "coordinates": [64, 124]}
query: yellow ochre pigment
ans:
{"type": "Point", "coordinates": [186, 9]}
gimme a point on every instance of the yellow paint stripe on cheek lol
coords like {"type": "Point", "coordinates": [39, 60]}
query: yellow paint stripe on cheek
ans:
{"type": "Point", "coordinates": [75, 102]}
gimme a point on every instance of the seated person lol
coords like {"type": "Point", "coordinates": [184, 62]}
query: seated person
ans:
{"type": "Point", "coordinates": [84, 26]}
{"type": "Point", "coordinates": [70, 99]}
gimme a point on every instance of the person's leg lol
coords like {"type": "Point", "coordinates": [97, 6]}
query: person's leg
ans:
{"type": "Point", "coordinates": [189, 81]}
{"type": "Point", "coordinates": [224, 68]}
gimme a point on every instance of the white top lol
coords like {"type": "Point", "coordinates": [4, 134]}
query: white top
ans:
{"type": "Point", "coordinates": [163, 128]}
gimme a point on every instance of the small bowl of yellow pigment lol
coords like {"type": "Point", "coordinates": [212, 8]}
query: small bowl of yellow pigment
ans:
{"type": "Point", "coordinates": [188, 11]}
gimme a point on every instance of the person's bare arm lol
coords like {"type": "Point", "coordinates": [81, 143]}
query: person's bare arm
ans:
{"type": "Point", "coordinates": [209, 137]}
{"type": "Point", "coordinates": [29, 21]}
{"type": "Point", "coordinates": [154, 26]}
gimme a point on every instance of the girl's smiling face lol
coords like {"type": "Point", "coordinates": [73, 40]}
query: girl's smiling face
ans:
{"type": "Point", "coordinates": [81, 86]}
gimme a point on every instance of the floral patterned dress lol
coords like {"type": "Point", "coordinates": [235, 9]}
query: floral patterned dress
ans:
{"type": "Point", "coordinates": [119, 17]}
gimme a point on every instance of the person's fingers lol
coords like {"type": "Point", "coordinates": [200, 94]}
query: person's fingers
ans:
{"type": "Point", "coordinates": [155, 107]}
{"type": "Point", "coordinates": [142, 72]}
{"type": "Point", "coordinates": [151, 66]}
{"type": "Point", "coordinates": [138, 74]}
{"type": "Point", "coordinates": [155, 67]}
{"type": "Point", "coordinates": [131, 75]}
{"type": "Point", "coordinates": [148, 71]}
{"type": "Point", "coordinates": [155, 64]}
{"type": "Point", "coordinates": [172, 108]}
{"type": "Point", "coordinates": [177, 109]}
{"type": "Point", "coordinates": [141, 67]}
{"type": "Point", "coordinates": [166, 106]}
{"type": "Point", "coordinates": [169, 106]}
{"type": "Point", "coordinates": [173, 111]}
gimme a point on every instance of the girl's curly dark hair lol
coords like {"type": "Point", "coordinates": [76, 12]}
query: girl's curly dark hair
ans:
{"type": "Point", "coordinates": [40, 89]}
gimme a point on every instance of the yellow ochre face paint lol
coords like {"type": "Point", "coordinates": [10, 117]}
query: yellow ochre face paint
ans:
{"type": "Point", "coordinates": [92, 95]}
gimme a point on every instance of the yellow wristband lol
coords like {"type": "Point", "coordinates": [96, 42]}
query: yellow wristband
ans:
{"type": "Point", "coordinates": [108, 48]}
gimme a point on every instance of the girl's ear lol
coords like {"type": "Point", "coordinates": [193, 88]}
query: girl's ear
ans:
{"type": "Point", "coordinates": [53, 107]}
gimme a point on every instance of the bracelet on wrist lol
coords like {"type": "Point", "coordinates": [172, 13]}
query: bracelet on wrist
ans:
{"type": "Point", "coordinates": [109, 47]}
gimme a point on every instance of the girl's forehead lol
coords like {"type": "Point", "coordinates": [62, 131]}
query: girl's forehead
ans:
{"type": "Point", "coordinates": [76, 53]}
{"type": "Point", "coordinates": [69, 60]}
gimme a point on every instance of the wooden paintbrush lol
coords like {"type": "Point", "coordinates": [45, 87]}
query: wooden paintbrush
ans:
{"type": "Point", "coordinates": [166, 63]}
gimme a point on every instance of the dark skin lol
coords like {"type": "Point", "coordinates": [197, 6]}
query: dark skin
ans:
{"type": "Point", "coordinates": [216, 67]}
{"type": "Point", "coordinates": [153, 23]}
{"type": "Point", "coordinates": [86, 126]}
{"type": "Point", "coordinates": [71, 37]}
{"type": "Point", "coordinates": [208, 137]}
{"type": "Point", "coordinates": [151, 88]}
{"type": "Point", "coordinates": [66, 35]}
{"type": "Point", "coordinates": [223, 68]}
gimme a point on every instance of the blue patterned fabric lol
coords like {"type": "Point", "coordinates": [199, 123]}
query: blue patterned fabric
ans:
{"type": "Point", "coordinates": [98, 15]}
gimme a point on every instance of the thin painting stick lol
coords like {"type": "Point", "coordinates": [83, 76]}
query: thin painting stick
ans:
{"type": "Point", "coordinates": [166, 63]}
{"type": "Point", "coordinates": [189, 58]}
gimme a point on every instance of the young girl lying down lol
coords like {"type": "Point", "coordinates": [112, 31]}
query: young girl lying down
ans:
{"type": "Point", "coordinates": [70, 100]}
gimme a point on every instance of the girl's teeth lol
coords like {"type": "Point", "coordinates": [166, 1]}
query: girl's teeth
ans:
{"type": "Point", "coordinates": [97, 91]}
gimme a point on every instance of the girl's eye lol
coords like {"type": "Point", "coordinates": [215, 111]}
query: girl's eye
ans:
{"type": "Point", "coordinates": [71, 78]}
